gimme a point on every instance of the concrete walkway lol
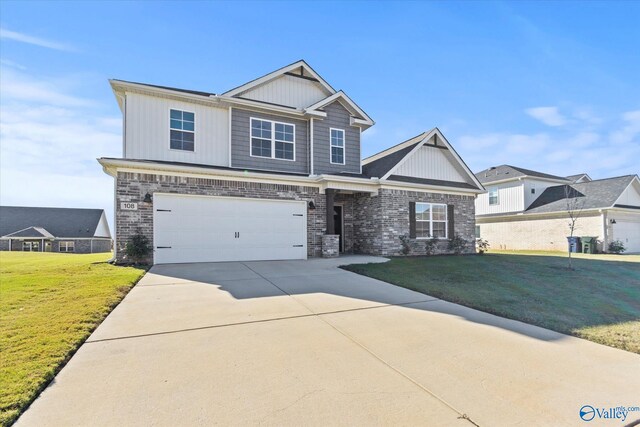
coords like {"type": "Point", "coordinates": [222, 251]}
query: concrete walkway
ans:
{"type": "Point", "coordinates": [305, 343]}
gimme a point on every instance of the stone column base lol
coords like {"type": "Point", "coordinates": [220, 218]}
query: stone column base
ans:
{"type": "Point", "coordinates": [330, 245]}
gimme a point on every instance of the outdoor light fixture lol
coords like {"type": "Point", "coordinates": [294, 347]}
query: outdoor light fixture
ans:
{"type": "Point", "coordinates": [612, 221]}
{"type": "Point", "coordinates": [312, 205]}
{"type": "Point", "coordinates": [147, 198]}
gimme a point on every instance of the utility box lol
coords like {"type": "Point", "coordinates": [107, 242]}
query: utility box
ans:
{"type": "Point", "coordinates": [574, 244]}
{"type": "Point", "coordinates": [588, 245]}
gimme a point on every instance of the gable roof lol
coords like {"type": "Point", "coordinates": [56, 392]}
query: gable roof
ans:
{"type": "Point", "coordinates": [347, 102]}
{"type": "Point", "coordinates": [578, 177]}
{"type": "Point", "coordinates": [596, 194]}
{"type": "Point", "coordinates": [507, 172]}
{"type": "Point", "coordinates": [31, 232]}
{"type": "Point", "coordinates": [302, 64]}
{"type": "Point", "coordinates": [57, 222]}
{"type": "Point", "coordinates": [384, 163]}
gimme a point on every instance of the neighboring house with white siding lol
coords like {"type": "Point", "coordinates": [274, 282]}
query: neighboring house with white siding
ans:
{"type": "Point", "coordinates": [526, 209]}
{"type": "Point", "coordinates": [272, 169]}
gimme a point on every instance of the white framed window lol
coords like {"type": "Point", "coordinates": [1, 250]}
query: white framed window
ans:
{"type": "Point", "coordinates": [431, 221]}
{"type": "Point", "coordinates": [31, 246]}
{"type": "Point", "coordinates": [337, 146]}
{"type": "Point", "coordinates": [493, 196]}
{"type": "Point", "coordinates": [67, 246]}
{"type": "Point", "coordinates": [275, 140]}
{"type": "Point", "coordinates": [182, 130]}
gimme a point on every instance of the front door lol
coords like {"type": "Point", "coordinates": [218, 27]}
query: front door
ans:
{"type": "Point", "coordinates": [337, 221]}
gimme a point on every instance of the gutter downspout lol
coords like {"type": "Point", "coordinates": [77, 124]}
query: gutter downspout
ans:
{"type": "Point", "coordinates": [311, 169]}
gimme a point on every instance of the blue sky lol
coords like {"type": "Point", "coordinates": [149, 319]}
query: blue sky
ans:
{"type": "Point", "coordinates": [548, 86]}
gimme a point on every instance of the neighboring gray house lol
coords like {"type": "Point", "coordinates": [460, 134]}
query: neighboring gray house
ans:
{"type": "Point", "coordinates": [525, 209]}
{"type": "Point", "coordinates": [272, 170]}
{"type": "Point", "coordinates": [65, 230]}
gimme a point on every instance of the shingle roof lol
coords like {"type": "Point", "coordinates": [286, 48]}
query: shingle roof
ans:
{"type": "Point", "coordinates": [31, 232]}
{"type": "Point", "coordinates": [499, 173]}
{"type": "Point", "coordinates": [379, 167]}
{"type": "Point", "coordinates": [59, 222]}
{"type": "Point", "coordinates": [189, 91]}
{"type": "Point", "coordinates": [601, 193]}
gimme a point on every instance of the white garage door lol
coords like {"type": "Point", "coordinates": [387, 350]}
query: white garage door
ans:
{"type": "Point", "coordinates": [629, 233]}
{"type": "Point", "coordinates": [210, 229]}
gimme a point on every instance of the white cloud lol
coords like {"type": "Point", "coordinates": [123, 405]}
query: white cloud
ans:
{"type": "Point", "coordinates": [18, 86]}
{"type": "Point", "coordinates": [630, 129]}
{"type": "Point", "coordinates": [49, 142]}
{"type": "Point", "coordinates": [550, 116]}
{"type": "Point", "coordinates": [36, 41]}
{"type": "Point", "coordinates": [599, 152]}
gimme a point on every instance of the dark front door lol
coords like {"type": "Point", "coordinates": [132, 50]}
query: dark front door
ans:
{"type": "Point", "coordinates": [337, 221]}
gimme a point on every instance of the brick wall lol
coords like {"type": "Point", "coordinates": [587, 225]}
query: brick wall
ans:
{"type": "Point", "coordinates": [132, 187]}
{"type": "Point", "coordinates": [548, 234]}
{"type": "Point", "coordinates": [381, 220]}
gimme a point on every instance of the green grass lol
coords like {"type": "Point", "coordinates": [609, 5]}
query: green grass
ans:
{"type": "Point", "coordinates": [598, 301]}
{"type": "Point", "coordinates": [49, 304]}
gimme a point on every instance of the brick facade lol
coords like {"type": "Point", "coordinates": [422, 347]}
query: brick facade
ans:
{"type": "Point", "coordinates": [132, 187]}
{"type": "Point", "coordinates": [81, 246]}
{"type": "Point", "coordinates": [381, 220]}
{"type": "Point", "coordinates": [372, 224]}
{"type": "Point", "coordinates": [541, 233]}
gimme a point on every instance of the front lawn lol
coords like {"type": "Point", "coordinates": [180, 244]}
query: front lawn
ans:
{"type": "Point", "coordinates": [598, 301]}
{"type": "Point", "coordinates": [49, 304]}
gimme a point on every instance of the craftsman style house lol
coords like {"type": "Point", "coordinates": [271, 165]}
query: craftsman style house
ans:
{"type": "Point", "coordinates": [272, 169]}
{"type": "Point", "coordinates": [526, 209]}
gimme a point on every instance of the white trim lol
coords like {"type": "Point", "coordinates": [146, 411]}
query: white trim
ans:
{"type": "Point", "coordinates": [522, 177]}
{"type": "Point", "coordinates": [112, 166]}
{"type": "Point", "coordinates": [360, 145]}
{"type": "Point", "coordinates": [277, 73]}
{"type": "Point", "coordinates": [635, 179]}
{"type": "Point", "coordinates": [344, 146]}
{"type": "Point", "coordinates": [311, 164]}
{"type": "Point", "coordinates": [182, 130]}
{"type": "Point", "coordinates": [352, 106]}
{"type": "Point", "coordinates": [497, 190]}
{"type": "Point", "coordinates": [446, 143]}
{"type": "Point", "coordinates": [230, 133]}
{"type": "Point", "coordinates": [431, 220]}
{"type": "Point", "coordinates": [273, 139]}
{"type": "Point", "coordinates": [393, 149]}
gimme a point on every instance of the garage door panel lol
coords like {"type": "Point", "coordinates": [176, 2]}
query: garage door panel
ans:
{"type": "Point", "coordinates": [210, 229]}
{"type": "Point", "coordinates": [629, 233]}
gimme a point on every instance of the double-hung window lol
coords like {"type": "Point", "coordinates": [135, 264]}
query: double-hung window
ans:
{"type": "Point", "coordinates": [337, 146]}
{"type": "Point", "coordinates": [182, 130]}
{"type": "Point", "coordinates": [67, 247]}
{"type": "Point", "coordinates": [272, 139]}
{"type": "Point", "coordinates": [493, 196]}
{"type": "Point", "coordinates": [431, 220]}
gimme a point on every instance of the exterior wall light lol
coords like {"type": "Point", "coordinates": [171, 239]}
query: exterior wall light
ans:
{"type": "Point", "coordinates": [312, 205]}
{"type": "Point", "coordinates": [147, 198]}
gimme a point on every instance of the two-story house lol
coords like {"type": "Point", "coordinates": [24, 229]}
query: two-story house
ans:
{"type": "Point", "coordinates": [272, 170]}
{"type": "Point", "coordinates": [525, 209]}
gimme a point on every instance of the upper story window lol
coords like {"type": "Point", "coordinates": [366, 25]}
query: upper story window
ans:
{"type": "Point", "coordinates": [431, 220]}
{"type": "Point", "coordinates": [337, 146]}
{"type": "Point", "coordinates": [493, 196]}
{"type": "Point", "coordinates": [182, 130]}
{"type": "Point", "coordinates": [272, 139]}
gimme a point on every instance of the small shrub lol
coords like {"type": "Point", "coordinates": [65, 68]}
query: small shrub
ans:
{"type": "Point", "coordinates": [482, 245]}
{"type": "Point", "coordinates": [406, 246]}
{"type": "Point", "coordinates": [617, 247]}
{"type": "Point", "coordinates": [457, 244]}
{"type": "Point", "coordinates": [138, 247]}
{"type": "Point", "coordinates": [430, 246]}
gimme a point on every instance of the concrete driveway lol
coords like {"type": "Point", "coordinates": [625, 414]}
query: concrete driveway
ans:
{"type": "Point", "coordinates": [305, 343]}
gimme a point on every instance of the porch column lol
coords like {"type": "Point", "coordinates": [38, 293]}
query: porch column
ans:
{"type": "Point", "coordinates": [10, 243]}
{"type": "Point", "coordinates": [330, 194]}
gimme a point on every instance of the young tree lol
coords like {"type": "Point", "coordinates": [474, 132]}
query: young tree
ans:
{"type": "Point", "coordinates": [575, 205]}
